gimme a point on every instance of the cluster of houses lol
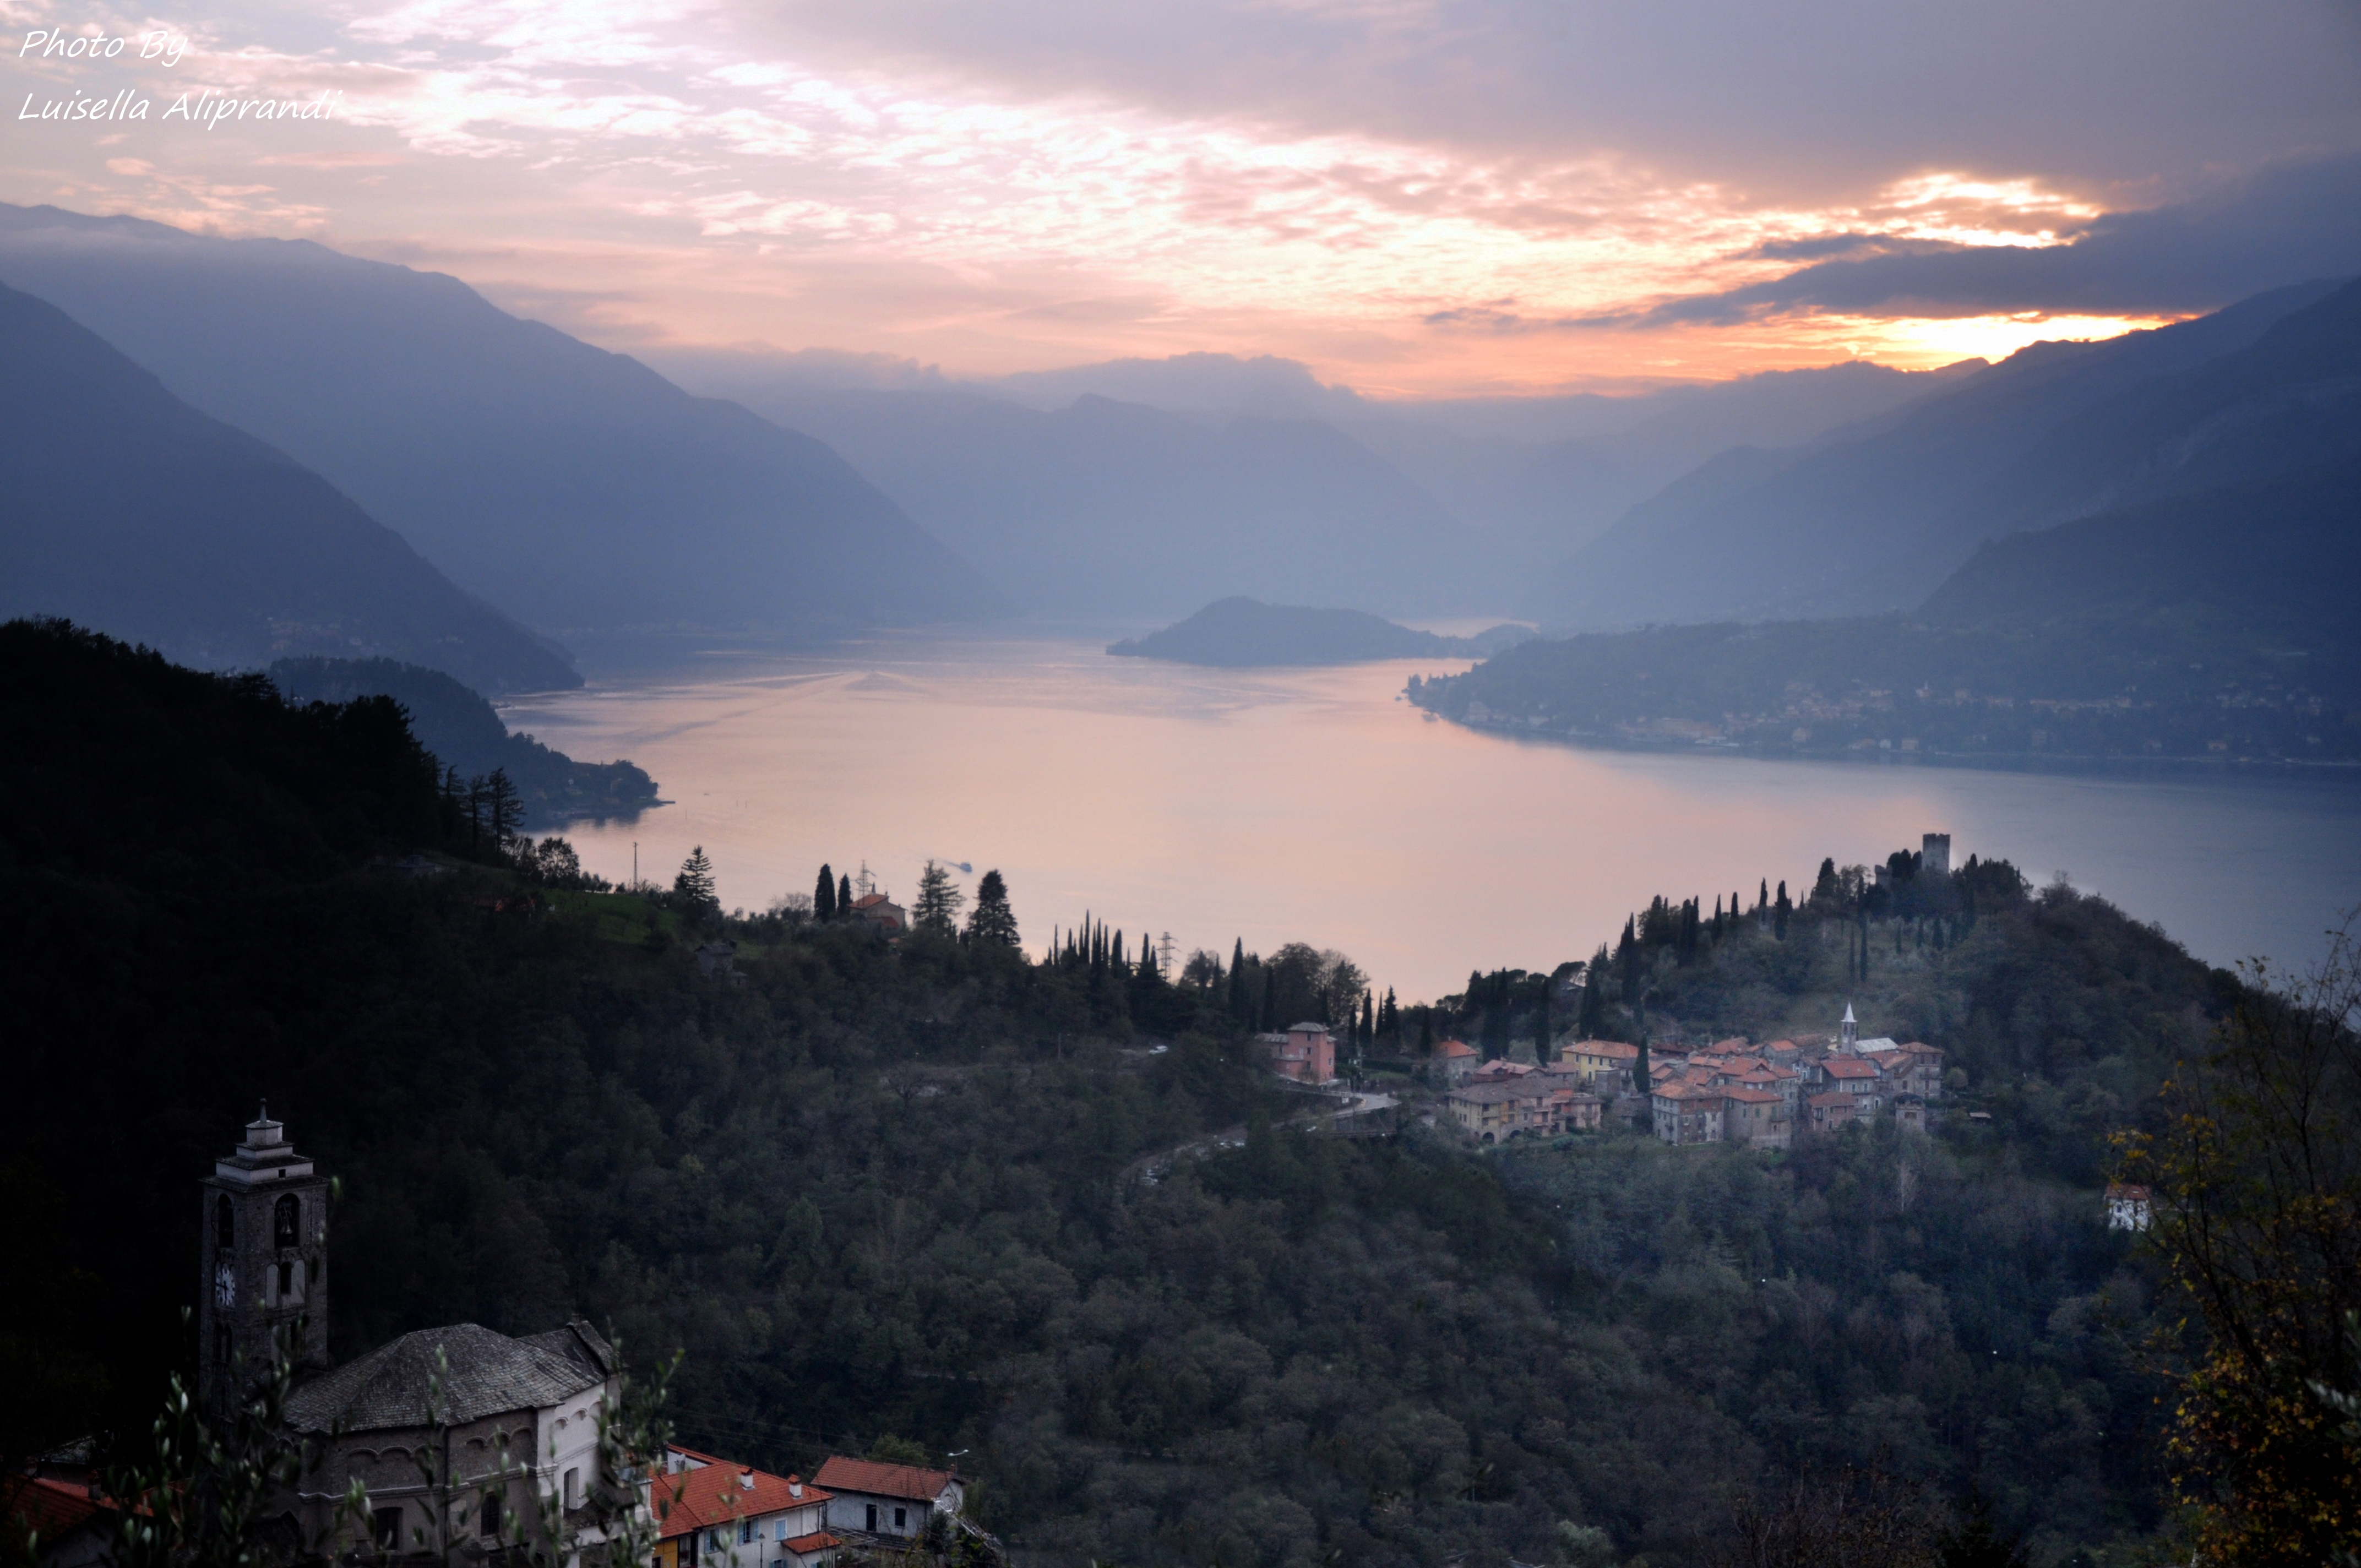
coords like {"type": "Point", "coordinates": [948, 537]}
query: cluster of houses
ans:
{"type": "Point", "coordinates": [1732, 1091]}
{"type": "Point", "coordinates": [464, 1438]}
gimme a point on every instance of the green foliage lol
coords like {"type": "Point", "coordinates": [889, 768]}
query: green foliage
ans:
{"type": "Point", "coordinates": [992, 922]}
{"type": "Point", "coordinates": [693, 884]}
{"type": "Point", "coordinates": [937, 908]}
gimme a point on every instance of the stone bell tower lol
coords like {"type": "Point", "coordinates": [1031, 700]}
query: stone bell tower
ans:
{"type": "Point", "coordinates": [264, 1262]}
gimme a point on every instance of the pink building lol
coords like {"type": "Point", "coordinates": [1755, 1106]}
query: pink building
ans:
{"type": "Point", "coordinates": [1306, 1053]}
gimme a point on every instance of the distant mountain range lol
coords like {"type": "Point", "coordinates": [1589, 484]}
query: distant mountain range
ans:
{"type": "Point", "coordinates": [1873, 519]}
{"type": "Point", "coordinates": [2197, 600]}
{"type": "Point", "coordinates": [464, 731]}
{"type": "Point", "coordinates": [572, 487]}
{"type": "Point", "coordinates": [1244, 633]}
{"type": "Point", "coordinates": [127, 511]}
{"type": "Point", "coordinates": [1144, 487]}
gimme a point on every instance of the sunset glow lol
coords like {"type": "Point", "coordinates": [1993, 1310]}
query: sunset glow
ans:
{"type": "Point", "coordinates": [706, 176]}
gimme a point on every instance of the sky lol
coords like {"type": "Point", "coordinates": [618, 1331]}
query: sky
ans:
{"type": "Point", "coordinates": [1411, 197]}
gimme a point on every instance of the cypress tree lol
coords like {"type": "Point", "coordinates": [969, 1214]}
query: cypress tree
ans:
{"type": "Point", "coordinates": [1239, 982]}
{"type": "Point", "coordinates": [824, 895]}
{"type": "Point", "coordinates": [1779, 914]}
{"type": "Point", "coordinates": [1762, 898]}
{"type": "Point", "coordinates": [844, 895]}
{"type": "Point", "coordinates": [1426, 1031]}
{"type": "Point", "coordinates": [1270, 1001]}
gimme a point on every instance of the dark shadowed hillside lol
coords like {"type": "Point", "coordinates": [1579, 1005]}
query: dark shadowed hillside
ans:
{"type": "Point", "coordinates": [124, 509]}
{"type": "Point", "coordinates": [464, 732]}
{"type": "Point", "coordinates": [570, 487]}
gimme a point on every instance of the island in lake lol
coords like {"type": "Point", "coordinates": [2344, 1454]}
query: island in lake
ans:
{"type": "Point", "coordinates": [1241, 632]}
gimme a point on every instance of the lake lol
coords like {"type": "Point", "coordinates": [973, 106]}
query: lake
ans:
{"type": "Point", "coordinates": [1315, 805]}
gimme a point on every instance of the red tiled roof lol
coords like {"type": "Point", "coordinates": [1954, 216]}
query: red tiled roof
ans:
{"type": "Point", "coordinates": [1849, 1066]}
{"type": "Point", "coordinates": [1455, 1049]}
{"type": "Point", "coordinates": [51, 1506]}
{"type": "Point", "coordinates": [820, 1540]}
{"type": "Point", "coordinates": [1832, 1099]}
{"type": "Point", "coordinates": [884, 1480]}
{"type": "Point", "coordinates": [1753, 1096]}
{"type": "Point", "coordinates": [1614, 1050]}
{"type": "Point", "coordinates": [687, 1501]}
{"type": "Point", "coordinates": [693, 1453]}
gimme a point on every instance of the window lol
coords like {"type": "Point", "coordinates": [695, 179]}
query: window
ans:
{"type": "Point", "coordinates": [286, 1280]}
{"type": "Point", "coordinates": [224, 1222]}
{"type": "Point", "coordinates": [286, 1220]}
{"type": "Point", "coordinates": [385, 1528]}
{"type": "Point", "coordinates": [688, 1549]}
{"type": "Point", "coordinates": [779, 1528]}
{"type": "Point", "coordinates": [573, 1488]}
{"type": "Point", "coordinates": [311, 1269]}
{"type": "Point", "coordinates": [491, 1519]}
{"type": "Point", "coordinates": [901, 1517]}
{"type": "Point", "coordinates": [745, 1532]}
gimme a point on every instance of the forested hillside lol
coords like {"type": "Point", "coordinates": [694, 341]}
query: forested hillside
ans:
{"type": "Point", "coordinates": [898, 1189]}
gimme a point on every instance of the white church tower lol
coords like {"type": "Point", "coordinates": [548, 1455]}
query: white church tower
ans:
{"type": "Point", "coordinates": [1849, 1033]}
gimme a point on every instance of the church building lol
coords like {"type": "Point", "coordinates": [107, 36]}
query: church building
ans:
{"type": "Point", "coordinates": [464, 1438]}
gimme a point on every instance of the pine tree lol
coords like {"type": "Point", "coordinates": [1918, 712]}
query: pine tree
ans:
{"type": "Point", "coordinates": [936, 907]}
{"type": "Point", "coordinates": [694, 884]}
{"type": "Point", "coordinates": [824, 895]}
{"type": "Point", "coordinates": [504, 804]}
{"type": "Point", "coordinates": [993, 922]}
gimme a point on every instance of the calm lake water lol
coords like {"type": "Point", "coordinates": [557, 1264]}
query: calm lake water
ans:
{"type": "Point", "coordinates": [1315, 805]}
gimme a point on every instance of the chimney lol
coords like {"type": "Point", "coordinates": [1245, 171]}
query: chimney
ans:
{"type": "Point", "coordinates": [746, 1479]}
{"type": "Point", "coordinates": [794, 1485]}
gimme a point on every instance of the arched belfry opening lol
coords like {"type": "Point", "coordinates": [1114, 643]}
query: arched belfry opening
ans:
{"type": "Point", "coordinates": [263, 1277]}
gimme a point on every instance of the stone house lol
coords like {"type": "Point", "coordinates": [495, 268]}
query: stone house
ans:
{"type": "Point", "coordinates": [1687, 1113]}
{"type": "Point", "coordinates": [1831, 1112]}
{"type": "Point", "coordinates": [880, 914]}
{"type": "Point", "coordinates": [2128, 1207]}
{"type": "Point", "coordinates": [1458, 1058]}
{"type": "Point", "coordinates": [1755, 1116]}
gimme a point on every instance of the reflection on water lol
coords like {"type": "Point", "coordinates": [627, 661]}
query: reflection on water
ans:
{"type": "Point", "coordinates": [1283, 805]}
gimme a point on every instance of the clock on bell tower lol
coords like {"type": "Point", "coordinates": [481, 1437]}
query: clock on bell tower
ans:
{"type": "Point", "coordinates": [263, 1261]}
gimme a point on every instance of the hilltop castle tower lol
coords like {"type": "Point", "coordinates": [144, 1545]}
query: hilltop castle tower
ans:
{"type": "Point", "coordinates": [264, 1260]}
{"type": "Point", "coordinates": [1934, 852]}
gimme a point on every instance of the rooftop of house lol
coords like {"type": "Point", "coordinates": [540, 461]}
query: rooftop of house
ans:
{"type": "Point", "coordinates": [2126, 1192]}
{"type": "Point", "coordinates": [721, 1493]}
{"type": "Point", "coordinates": [1307, 1028]}
{"type": "Point", "coordinates": [1847, 1067]}
{"type": "Point", "coordinates": [880, 1480]}
{"type": "Point", "coordinates": [1495, 1091]}
{"type": "Point", "coordinates": [49, 1506]}
{"type": "Point", "coordinates": [1687, 1092]}
{"type": "Point", "coordinates": [1830, 1101]}
{"type": "Point", "coordinates": [1746, 1096]}
{"type": "Point", "coordinates": [1608, 1050]}
{"type": "Point", "coordinates": [1454, 1048]}
{"type": "Point", "coordinates": [484, 1374]}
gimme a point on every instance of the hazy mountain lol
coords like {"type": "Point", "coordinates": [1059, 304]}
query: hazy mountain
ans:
{"type": "Point", "coordinates": [1265, 481]}
{"type": "Point", "coordinates": [1873, 521]}
{"type": "Point", "coordinates": [1106, 507]}
{"type": "Point", "coordinates": [571, 487]}
{"type": "Point", "coordinates": [1242, 633]}
{"type": "Point", "coordinates": [134, 514]}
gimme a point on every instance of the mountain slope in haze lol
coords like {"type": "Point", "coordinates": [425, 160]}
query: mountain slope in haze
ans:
{"type": "Point", "coordinates": [1873, 524]}
{"type": "Point", "coordinates": [1113, 507]}
{"type": "Point", "coordinates": [131, 513]}
{"type": "Point", "coordinates": [466, 732]}
{"type": "Point", "coordinates": [1244, 633]}
{"type": "Point", "coordinates": [571, 487]}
